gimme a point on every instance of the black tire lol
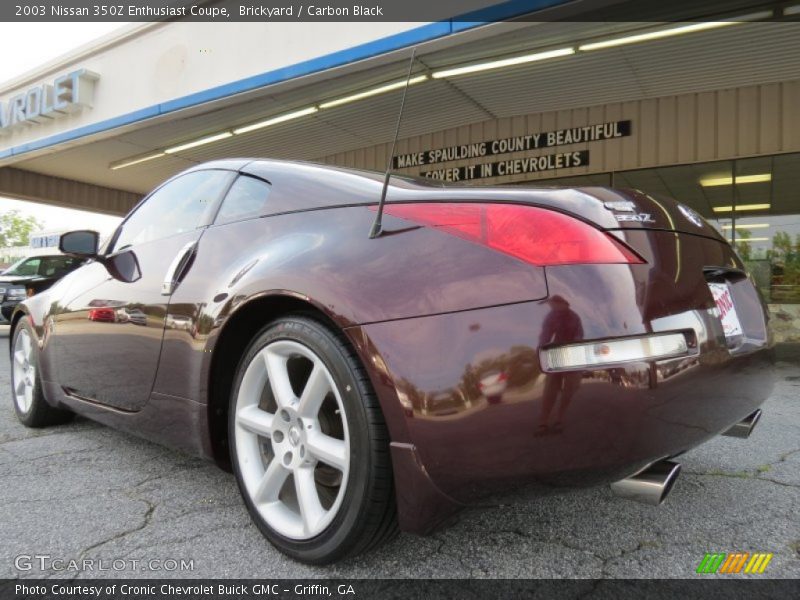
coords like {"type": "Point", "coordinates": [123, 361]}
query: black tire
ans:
{"type": "Point", "coordinates": [40, 413]}
{"type": "Point", "coordinates": [367, 516]}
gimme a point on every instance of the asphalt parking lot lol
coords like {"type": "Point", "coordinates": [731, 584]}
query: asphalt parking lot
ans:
{"type": "Point", "coordinates": [86, 491]}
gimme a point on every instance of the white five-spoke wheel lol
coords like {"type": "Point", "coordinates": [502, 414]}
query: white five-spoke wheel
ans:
{"type": "Point", "coordinates": [24, 371]}
{"type": "Point", "coordinates": [309, 445]}
{"type": "Point", "coordinates": [29, 402]}
{"type": "Point", "coordinates": [292, 439]}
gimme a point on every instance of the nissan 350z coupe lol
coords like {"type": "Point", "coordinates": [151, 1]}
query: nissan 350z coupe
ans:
{"type": "Point", "coordinates": [356, 385]}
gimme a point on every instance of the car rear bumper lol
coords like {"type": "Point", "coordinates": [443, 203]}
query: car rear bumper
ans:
{"type": "Point", "coordinates": [585, 427]}
{"type": "Point", "coordinates": [580, 427]}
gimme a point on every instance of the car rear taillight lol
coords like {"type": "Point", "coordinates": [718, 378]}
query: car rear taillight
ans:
{"type": "Point", "coordinates": [535, 235]}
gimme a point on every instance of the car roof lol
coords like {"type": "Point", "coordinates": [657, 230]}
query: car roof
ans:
{"type": "Point", "coordinates": [48, 256]}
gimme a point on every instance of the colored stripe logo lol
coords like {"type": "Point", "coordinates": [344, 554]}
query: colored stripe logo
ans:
{"type": "Point", "coordinates": [735, 562]}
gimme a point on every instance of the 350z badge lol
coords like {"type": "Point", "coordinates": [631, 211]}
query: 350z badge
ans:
{"type": "Point", "coordinates": [637, 217]}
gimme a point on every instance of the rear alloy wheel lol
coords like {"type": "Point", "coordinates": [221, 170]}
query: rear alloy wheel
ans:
{"type": "Point", "coordinates": [309, 446]}
{"type": "Point", "coordinates": [26, 388]}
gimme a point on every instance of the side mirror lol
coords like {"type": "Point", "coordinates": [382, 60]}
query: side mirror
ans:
{"type": "Point", "coordinates": [123, 266]}
{"type": "Point", "coordinates": [83, 244]}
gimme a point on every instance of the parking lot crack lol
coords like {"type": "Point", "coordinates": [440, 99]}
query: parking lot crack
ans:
{"type": "Point", "coordinates": [777, 482]}
{"type": "Point", "coordinates": [563, 544]}
{"type": "Point", "coordinates": [4, 439]}
{"type": "Point", "coordinates": [625, 553]}
{"type": "Point", "coordinates": [146, 520]}
{"type": "Point", "coordinates": [56, 454]}
{"type": "Point", "coordinates": [752, 475]}
{"type": "Point", "coordinates": [190, 538]}
{"type": "Point", "coordinates": [786, 455]}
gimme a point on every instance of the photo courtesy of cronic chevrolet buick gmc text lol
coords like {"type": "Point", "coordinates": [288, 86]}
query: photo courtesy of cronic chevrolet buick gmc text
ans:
{"type": "Point", "coordinates": [358, 384]}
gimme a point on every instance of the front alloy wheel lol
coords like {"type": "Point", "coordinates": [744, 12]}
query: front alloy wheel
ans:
{"type": "Point", "coordinates": [310, 461]}
{"type": "Point", "coordinates": [23, 371]}
{"type": "Point", "coordinates": [26, 388]}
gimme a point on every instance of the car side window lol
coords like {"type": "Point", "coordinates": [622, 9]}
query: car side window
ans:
{"type": "Point", "coordinates": [246, 199]}
{"type": "Point", "coordinates": [57, 266]}
{"type": "Point", "coordinates": [176, 207]}
{"type": "Point", "coordinates": [29, 267]}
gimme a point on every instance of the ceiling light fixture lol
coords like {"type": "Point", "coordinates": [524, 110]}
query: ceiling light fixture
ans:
{"type": "Point", "coordinates": [672, 31]}
{"type": "Point", "coordinates": [134, 161]}
{"type": "Point", "coordinates": [275, 120]}
{"type": "Point", "coordinates": [747, 226]}
{"type": "Point", "coordinates": [715, 181]}
{"type": "Point", "coordinates": [486, 66]}
{"type": "Point", "coordinates": [382, 89]}
{"type": "Point", "coordinates": [199, 142]}
{"type": "Point", "coordinates": [505, 62]}
{"type": "Point", "coordinates": [653, 35]}
{"type": "Point", "coordinates": [740, 207]}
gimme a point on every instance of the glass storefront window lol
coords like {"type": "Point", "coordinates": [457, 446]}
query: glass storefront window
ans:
{"type": "Point", "coordinates": [754, 203]}
{"type": "Point", "coordinates": [768, 238]}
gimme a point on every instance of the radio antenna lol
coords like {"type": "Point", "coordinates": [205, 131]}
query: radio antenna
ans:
{"type": "Point", "coordinates": [377, 224]}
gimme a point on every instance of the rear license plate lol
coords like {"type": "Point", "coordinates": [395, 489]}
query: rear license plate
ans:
{"type": "Point", "coordinates": [727, 311]}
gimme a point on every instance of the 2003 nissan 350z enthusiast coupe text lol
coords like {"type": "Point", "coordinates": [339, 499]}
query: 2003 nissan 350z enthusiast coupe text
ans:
{"type": "Point", "coordinates": [357, 383]}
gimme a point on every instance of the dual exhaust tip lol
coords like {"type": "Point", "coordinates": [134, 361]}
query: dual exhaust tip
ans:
{"type": "Point", "coordinates": [653, 484]}
{"type": "Point", "coordinates": [745, 427]}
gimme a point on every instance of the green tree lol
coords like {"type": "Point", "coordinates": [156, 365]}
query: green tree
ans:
{"type": "Point", "coordinates": [15, 229]}
{"type": "Point", "coordinates": [785, 267]}
{"type": "Point", "coordinates": [782, 244]}
{"type": "Point", "coordinates": [743, 247]}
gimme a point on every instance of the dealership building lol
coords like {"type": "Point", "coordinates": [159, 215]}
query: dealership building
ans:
{"type": "Point", "coordinates": [708, 113]}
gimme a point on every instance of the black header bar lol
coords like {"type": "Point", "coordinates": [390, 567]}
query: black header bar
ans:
{"type": "Point", "coordinates": [455, 11]}
{"type": "Point", "coordinates": [405, 589]}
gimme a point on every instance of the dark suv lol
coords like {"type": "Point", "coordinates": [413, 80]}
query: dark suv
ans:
{"type": "Point", "coordinates": [30, 276]}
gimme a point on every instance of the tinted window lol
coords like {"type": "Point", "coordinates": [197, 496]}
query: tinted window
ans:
{"type": "Point", "coordinates": [24, 268]}
{"type": "Point", "coordinates": [176, 207]}
{"type": "Point", "coordinates": [56, 266]}
{"type": "Point", "coordinates": [45, 266]}
{"type": "Point", "coordinates": [246, 199]}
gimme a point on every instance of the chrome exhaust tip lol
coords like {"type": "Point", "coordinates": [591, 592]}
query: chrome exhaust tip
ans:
{"type": "Point", "coordinates": [745, 427]}
{"type": "Point", "coordinates": [651, 485]}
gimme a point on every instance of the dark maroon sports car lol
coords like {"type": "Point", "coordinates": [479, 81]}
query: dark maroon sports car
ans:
{"type": "Point", "coordinates": [354, 384]}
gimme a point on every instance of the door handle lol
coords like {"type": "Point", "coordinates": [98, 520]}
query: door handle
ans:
{"type": "Point", "coordinates": [177, 268]}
